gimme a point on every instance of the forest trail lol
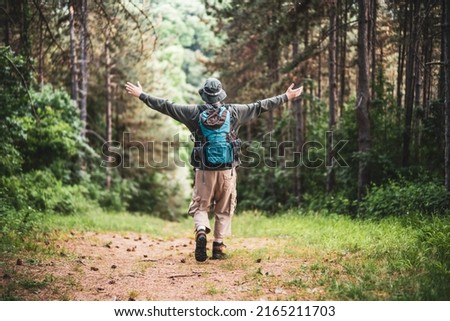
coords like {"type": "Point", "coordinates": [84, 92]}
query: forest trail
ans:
{"type": "Point", "coordinates": [108, 267]}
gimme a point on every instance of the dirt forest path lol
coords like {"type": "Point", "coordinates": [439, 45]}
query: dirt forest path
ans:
{"type": "Point", "coordinates": [107, 266]}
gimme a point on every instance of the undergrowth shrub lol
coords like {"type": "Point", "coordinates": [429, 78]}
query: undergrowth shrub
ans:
{"type": "Point", "coordinates": [114, 199]}
{"type": "Point", "coordinates": [397, 198]}
{"type": "Point", "coordinates": [337, 203]}
{"type": "Point", "coordinates": [400, 198]}
{"type": "Point", "coordinates": [41, 191]}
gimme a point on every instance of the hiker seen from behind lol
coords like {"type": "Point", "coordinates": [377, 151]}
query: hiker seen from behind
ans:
{"type": "Point", "coordinates": [214, 126]}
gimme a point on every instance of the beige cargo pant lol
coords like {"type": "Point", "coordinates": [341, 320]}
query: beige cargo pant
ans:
{"type": "Point", "coordinates": [214, 191]}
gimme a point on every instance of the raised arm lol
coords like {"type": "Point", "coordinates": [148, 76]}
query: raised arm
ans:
{"type": "Point", "coordinates": [185, 114]}
{"type": "Point", "coordinates": [250, 111]}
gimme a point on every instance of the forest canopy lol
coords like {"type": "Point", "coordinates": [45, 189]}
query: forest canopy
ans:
{"type": "Point", "coordinates": [370, 136]}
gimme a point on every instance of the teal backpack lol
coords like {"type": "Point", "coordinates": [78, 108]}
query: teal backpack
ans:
{"type": "Point", "coordinates": [218, 141]}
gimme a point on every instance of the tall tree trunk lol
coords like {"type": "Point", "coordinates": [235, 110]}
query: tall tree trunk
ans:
{"type": "Point", "coordinates": [40, 57]}
{"type": "Point", "coordinates": [73, 55]}
{"type": "Point", "coordinates": [304, 103]}
{"type": "Point", "coordinates": [446, 32]}
{"type": "Point", "coordinates": [84, 69]}
{"type": "Point", "coordinates": [362, 105]}
{"type": "Point", "coordinates": [6, 24]}
{"type": "Point", "coordinates": [415, 128]}
{"type": "Point", "coordinates": [410, 82]}
{"type": "Point", "coordinates": [332, 97]}
{"type": "Point", "coordinates": [298, 109]}
{"type": "Point", "coordinates": [343, 58]}
{"type": "Point", "coordinates": [299, 136]}
{"type": "Point", "coordinates": [441, 81]}
{"type": "Point", "coordinates": [401, 60]}
{"type": "Point", "coordinates": [108, 110]}
{"type": "Point", "coordinates": [372, 45]}
{"type": "Point", "coordinates": [427, 52]}
{"type": "Point", "coordinates": [273, 56]}
{"type": "Point", "coordinates": [272, 64]}
{"type": "Point", "coordinates": [25, 45]}
{"type": "Point", "coordinates": [319, 70]}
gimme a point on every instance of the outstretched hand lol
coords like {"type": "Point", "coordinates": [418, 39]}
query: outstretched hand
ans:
{"type": "Point", "coordinates": [133, 90]}
{"type": "Point", "coordinates": [294, 93]}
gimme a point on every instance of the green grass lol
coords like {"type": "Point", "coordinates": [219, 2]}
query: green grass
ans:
{"type": "Point", "coordinates": [331, 232]}
{"type": "Point", "coordinates": [342, 258]}
{"type": "Point", "coordinates": [389, 259]}
{"type": "Point", "coordinates": [101, 221]}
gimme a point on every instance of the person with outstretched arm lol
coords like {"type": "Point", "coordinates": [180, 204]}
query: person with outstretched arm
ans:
{"type": "Point", "coordinates": [214, 126]}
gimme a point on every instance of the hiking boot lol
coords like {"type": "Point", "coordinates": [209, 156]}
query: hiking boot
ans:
{"type": "Point", "coordinates": [218, 251]}
{"type": "Point", "coordinates": [200, 246]}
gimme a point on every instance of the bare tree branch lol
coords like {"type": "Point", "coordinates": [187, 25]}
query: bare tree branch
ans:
{"type": "Point", "coordinates": [41, 14]}
{"type": "Point", "coordinates": [138, 25]}
{"type": "Point", "coordinates": [150, 22]}
{"type": "Point", "coordinates": [94, 133]}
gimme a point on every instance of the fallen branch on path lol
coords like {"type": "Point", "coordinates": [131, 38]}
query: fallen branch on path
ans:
{"type": "Point", "coordinates": [194, 273]}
